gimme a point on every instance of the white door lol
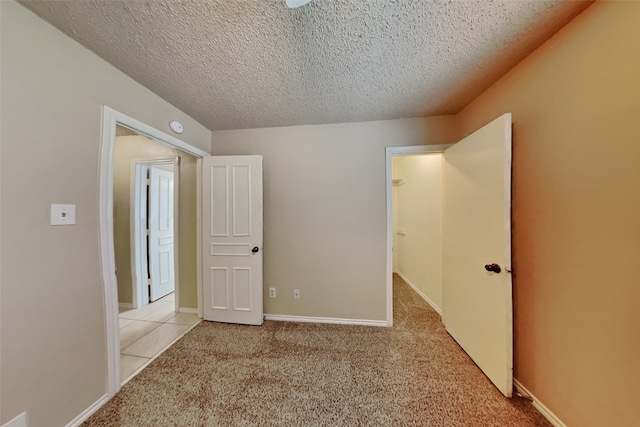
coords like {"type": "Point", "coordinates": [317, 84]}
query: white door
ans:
{"type": "Point", "coordinates": [477, 306]}
{"type": "Point", "coordinates": [232, 239]}
{"type": "Point", "coordinates": [161, 262]}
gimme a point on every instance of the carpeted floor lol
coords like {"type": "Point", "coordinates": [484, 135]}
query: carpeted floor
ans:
{"type": "Point", "coordinates": [292, 374]}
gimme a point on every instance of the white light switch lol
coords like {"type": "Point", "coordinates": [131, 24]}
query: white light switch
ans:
{"type": "Point", "coordinates": [63, 214]}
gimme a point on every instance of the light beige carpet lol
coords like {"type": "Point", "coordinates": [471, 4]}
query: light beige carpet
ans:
{"type": "Point", "coordinates": [290, 374]}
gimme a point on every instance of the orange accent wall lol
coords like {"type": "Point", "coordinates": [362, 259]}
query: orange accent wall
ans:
{"type": "Point", "coordinates": [576, 215]}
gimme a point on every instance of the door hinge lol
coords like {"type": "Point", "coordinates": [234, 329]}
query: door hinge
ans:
{"type": "Point", "coordinates": [148, 232]}
{"type": "Point", "coordinates": [148, 181]}
{"type": "Point", "coordinates": [149, 282]}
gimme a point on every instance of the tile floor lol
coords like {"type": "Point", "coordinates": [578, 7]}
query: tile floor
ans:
{"type": "Point", "coordinates": [148, 331]}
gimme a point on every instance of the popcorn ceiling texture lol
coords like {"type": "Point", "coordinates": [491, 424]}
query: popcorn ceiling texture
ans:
{"type": "Point", "coordinates": [235, 64]}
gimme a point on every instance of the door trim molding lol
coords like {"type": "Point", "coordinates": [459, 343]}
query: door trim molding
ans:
{"type": "Point", "coordinates": [111, 118]}
{"type": "Point", "coordinates": [389, 153]}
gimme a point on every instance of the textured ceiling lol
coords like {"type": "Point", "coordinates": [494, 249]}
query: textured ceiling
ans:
{"type": "Point", "coordinates": [234, 64]}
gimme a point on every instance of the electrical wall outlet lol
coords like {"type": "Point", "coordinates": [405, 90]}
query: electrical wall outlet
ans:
{"type": "Point", "coordinates": [296, 294]}
{"type": "Point", "coordinates": [272, 292]}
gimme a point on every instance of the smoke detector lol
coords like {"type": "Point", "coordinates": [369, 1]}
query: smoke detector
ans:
{"type": "Point", "coordinates": [176, 127]}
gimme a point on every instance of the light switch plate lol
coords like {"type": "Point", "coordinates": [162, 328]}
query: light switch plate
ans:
{"type": "Point", "coordinates": [63, 214]}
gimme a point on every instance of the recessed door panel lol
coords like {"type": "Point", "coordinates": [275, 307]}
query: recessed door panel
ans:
{"type": "Point", "coordinates": [242, 289]}
{"type": "Point", "coordinates": [241, 201]}
{"type": "Point", "coordinates": [230, 249]}
{"type": "Point", "coordinates": [219, 284]}
{"type": "Point", "coordinates": [219, 201]}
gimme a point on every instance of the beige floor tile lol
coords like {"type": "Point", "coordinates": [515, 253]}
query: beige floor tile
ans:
{"type": "Point", "coordinates": [159, 311]}
{"type": "Point", "coordinates": [156, 340]}
{"type": "Point", "coordinates": [159, 315]}
{"type": "Point", "coordinates": [184, 319]}
{"type": "Point", "coordinates": [125, 322]}
{"type": "Point", "coordinates": [171, 297]}
{"type": "Point", "coordinates": [135, 330]}
{"type": "Point", "coordinates": [130, 364]}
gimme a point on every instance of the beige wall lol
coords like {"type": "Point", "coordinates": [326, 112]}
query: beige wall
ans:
{"type": "Point", "coordinates": [53, 355]}
{"type": "Point", "coordinates": [576, 209]}
{"type": "Point", "coordinates": [127, 149]}
{"type": "Point", "coordinates": [419, 206]}
{"type": "Point", "coordinates": [325, 210]}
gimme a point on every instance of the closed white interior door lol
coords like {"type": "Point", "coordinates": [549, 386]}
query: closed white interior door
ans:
{"type": "Point", "coordinates": [477, 304]}
{"type": "Point", "coordinates": [161, 240]}
{"type": "Point", "coordinates": [232, 239]}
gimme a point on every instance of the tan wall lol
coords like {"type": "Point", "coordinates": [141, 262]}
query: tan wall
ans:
{"type": "Point", "coordinates": [53, 355]}
{"type": "Point", "coordinates": [325, 210]}
{"type": "Point", "coordinates": [127, 149]}
{"type": "Point", "coordinates": [419, 205]}
{"type": "Point", "coordinates": [576, 176]}
{"type": "Point", "coordinates": [187, 240]}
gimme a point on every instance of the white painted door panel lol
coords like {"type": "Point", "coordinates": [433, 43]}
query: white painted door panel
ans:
{"type": "Point", "coordinates": [477, 304]}
{"type": "Point", "coordinates": [232, 239]}
{"type": "Point", "coordinates": [161, 249]}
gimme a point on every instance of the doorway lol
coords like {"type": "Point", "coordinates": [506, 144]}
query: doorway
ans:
{"type": "Point", "coordinates": [391, 183]}
{"type": "Point", "coordinates": [476, 246]}
{"type": "Point", "coordinates": [146, 200]}
{"type": "Point", "coordinates": [418, 223]}
{"type": "Point", "coordinates": [111, 120]}
{"type": "Point", "coordinates": [154, 202]}
{"type": "Point", "coordinates": [146, 205]}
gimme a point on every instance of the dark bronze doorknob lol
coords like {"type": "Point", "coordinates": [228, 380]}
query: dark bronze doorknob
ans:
{"type": "Point", "coordinates": [255, 249]}
{"type": "Point", "coordinates": [493, 267]}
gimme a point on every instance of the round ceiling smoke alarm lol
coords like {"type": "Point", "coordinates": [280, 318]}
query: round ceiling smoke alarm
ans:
{"type": "Point", "coordinates": [176, 126]}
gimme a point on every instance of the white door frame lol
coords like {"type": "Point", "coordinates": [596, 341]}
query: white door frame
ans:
{"type": "Point", "coordinates": [139, 270]}
{"type": "Point", "coordinates": [111, 118]}
{"type": "Point", "coordinates": [390, 152]}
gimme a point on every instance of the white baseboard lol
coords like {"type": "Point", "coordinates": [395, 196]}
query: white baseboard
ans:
{"type": "Point", "coordinates": [330, 320]}
{"type": "Point", "coordinates": [21, 420]}
{"type": "Point", "coordinates": [188, 310]}
{"type": "Point", "coordinates": [88, 412]}
{"type": "Point", "coordinates": [126, 305]}
{"type": "Point", "coordinates": [546, 412]}
{"type": "Point", "coordinates": [419, 292]}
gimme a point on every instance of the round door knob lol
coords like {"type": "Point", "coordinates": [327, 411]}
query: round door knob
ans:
{"type": "Point", "coordinates": [255, 249]}
{"type": "Point", "coordinates": [493, 267]}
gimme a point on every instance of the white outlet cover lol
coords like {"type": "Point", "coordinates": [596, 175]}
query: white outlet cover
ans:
{"type": "Point", "coordinates": [63, 214]}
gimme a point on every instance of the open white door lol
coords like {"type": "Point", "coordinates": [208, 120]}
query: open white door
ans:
{"type": "Point", "coordinates": [232, 239]}
{"type": "Point", "coordinates": [477, 306]}
{"type": "Point", "coordinates": [161, 253]}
